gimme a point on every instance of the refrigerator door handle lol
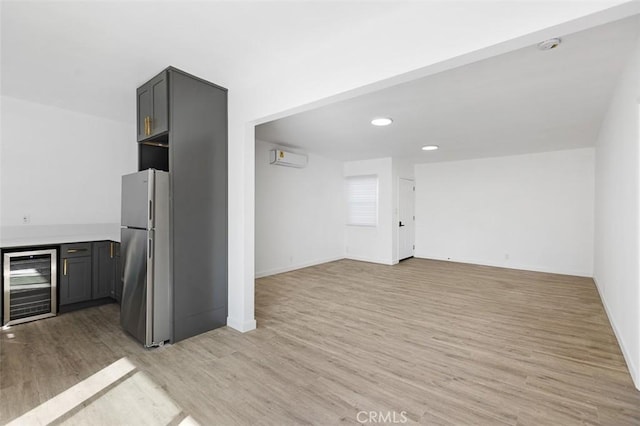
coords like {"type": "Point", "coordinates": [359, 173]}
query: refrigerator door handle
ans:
{"type": "Point", "coordinates": [151, 211]}
{"type": "Point", "coordinates": [150, 290]}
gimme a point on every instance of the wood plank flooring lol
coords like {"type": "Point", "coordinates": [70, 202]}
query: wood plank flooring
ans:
{"type": "Point", "coordinates": [437, 342]}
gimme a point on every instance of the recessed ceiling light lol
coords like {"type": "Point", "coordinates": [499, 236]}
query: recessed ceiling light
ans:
{"type": "Point", "coordinates": [430, 147]}
{"type": "Point", "coordinates": [383, 121]}
{"type": "Point", "coordinates": [552, 43]}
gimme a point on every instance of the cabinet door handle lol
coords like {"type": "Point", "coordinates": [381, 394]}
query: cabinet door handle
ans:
{"type": "Point", "coordinates": [150, 125]}
{"type": "Point", "coordinates": [147, 126]}
{"type": "Point", "coordinates": [76, 250]}
{"type": "Point", "coordinates": [64, 267]}
{"type": "Point", "coordinates": [111, 250]}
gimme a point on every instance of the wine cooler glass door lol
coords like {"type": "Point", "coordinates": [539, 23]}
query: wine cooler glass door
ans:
{"type": "Point", "coordinates": [29, 285]}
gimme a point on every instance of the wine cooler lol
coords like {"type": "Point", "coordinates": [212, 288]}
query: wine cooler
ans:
{"type": "Point", "coordinates": [29, 285]}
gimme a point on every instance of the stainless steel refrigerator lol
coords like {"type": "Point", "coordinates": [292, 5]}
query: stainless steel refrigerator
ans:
{"type": "Point", "coordinates": [145, 310]}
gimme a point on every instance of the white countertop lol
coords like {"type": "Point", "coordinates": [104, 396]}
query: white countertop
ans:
{"type": "Point", "coordinates": [36, 235]}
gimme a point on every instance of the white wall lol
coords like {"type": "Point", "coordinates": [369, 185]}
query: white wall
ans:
{"type": "Point", "coordinates": [373, 243]}
{"type": "Point", "coordinates": [617, 191]}
{"type": "Point", "coordinates": [61, 167]}
{"type": "Point", "coordinates": [531, 212]}
{"type": "Point", "coordinates": [299, 213]}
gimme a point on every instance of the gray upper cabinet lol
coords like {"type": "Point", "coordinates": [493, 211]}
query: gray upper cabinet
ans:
{"type": "Point", "coordinates": [153, 108]}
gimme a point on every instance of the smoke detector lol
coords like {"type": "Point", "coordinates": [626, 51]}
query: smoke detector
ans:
{"type": "Point", "coordinates": [552, 43]}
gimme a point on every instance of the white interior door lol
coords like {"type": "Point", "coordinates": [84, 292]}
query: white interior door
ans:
{"type": "Point", "coordinates": [406, 232]}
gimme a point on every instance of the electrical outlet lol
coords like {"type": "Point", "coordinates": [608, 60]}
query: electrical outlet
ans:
{"type": "Point", "coordinates": [26, 218]}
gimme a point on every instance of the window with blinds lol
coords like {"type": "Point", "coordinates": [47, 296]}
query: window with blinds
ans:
{"type": "Point", "coordinates": [362, 200]}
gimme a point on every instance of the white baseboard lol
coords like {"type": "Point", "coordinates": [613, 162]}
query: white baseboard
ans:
{"type": "Point", "coordinates": [521, 267]}
{"type": "Point", "coordinates": [366, 259]}
{"type": "Point", "coordinates": [241, 326]}
{"type": "Point", "coordinates": [625, 353]}
{"type": "Point", "coordinates": [290, 268]}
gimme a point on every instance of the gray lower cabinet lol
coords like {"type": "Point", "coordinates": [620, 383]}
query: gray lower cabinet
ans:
{"type": "Point", "coordinates": [89, 271]}
{"type": "Point", "coordinates": [75, 279]}
{"type": "Point", "coordinates": [104, 269]}
{"type": "Point", "coordinates": [117, 291]}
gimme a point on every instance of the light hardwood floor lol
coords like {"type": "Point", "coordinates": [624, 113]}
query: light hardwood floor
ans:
{"type": "Point", "coordinates": [446, 343]}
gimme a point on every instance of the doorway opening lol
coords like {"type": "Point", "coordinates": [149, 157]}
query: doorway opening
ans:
{"type": "Point", "coordinates": [406, 219]}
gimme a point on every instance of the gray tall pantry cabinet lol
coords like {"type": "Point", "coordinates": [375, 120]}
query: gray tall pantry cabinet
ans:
{"type": "Point", "coordinates": [182, 129]}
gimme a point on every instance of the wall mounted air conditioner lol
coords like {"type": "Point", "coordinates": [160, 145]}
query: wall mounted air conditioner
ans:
{"type": "Point", "coordinates": [289, 159]}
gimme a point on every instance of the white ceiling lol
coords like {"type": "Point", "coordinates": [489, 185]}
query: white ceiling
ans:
{"type": "Point", "coordinates": [90, 56]}
{"type": "Point", "coordinates": [521, 102]}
